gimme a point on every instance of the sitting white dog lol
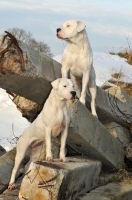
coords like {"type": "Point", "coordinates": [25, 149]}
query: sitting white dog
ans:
{"type": "Point", "coordinates": [53, 120]}
{"type": "Point", "coordinates": [77, 60]}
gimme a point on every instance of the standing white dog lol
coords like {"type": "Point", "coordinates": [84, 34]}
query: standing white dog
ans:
{"type": "Point", "coordinates": [53, 120]}
{"type": "Point", "coordinates": [78, 60]}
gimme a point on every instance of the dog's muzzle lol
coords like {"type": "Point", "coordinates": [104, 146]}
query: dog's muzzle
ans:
{"type": "Point", "coordinates": [73, 94]}
{"type": "Point", "coordinates": [58, 29]}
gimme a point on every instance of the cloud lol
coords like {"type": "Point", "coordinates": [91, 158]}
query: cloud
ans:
{"type": "Point", "coordinates": [110, 20]}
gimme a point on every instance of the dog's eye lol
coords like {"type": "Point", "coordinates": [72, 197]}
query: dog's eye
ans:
{"type": "Point", "coordinates": [64, 85]}
{"type": "Point", "coordinates": [68, 25]}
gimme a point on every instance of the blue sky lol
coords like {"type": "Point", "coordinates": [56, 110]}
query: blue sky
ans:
{"type": "Point", "coordinates": [108, 22]}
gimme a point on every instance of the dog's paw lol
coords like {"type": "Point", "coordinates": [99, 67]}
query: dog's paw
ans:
{"type": "Point", "coordinates": [95, 115]}
{"type": "Point", "coordinates": [82, 100]}
{"type": "Point", "coordinates": [49, 158]}
{"type": "Point", "coordinates": [11, 186]}
{"type": "Point", "coordinates": [62, 158]}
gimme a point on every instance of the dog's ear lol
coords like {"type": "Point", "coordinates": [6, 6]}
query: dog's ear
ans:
{"type": "Point", "coordinates": [55, 83]}
{"type": "Point", "coordinates": [80, 26]}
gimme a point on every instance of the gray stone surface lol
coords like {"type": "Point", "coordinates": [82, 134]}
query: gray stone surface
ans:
{"type": "Point", "coordinates": [110, 108]}
{"type": "Point", "coordinates": [12, 194]}
{"type": "Point", "coordinates": [58, 180]}
{"type": "Point", "coordinates": [119, 132]}
{"type": "Point", "coordinates": [112, 191]}
{"type": "Point", "coordinates": [123, 97]}
{"type": "Point", "coordinates": [129, 152]}
{"type": "Point", "coordinates": [2, 150]}
{"type": "Point", "coordinates": [89, 137]}
{"type": "Point", "coordinates": [6, 165]}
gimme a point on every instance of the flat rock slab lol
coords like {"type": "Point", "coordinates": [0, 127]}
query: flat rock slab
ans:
{"type": "Point", "coordinates": [112, 191]}
{"type": "Point", "coordinates": [89, 137]}
{"type": "Point", "coordinates": [57, 180]}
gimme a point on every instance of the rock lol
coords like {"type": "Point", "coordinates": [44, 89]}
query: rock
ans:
{"type": "Point", "coordinates": [2, 150]}
{"type": "Point", "coordinates": [119, 132]}
{"type": "Point", "coordinates": [60, 180]}
{"type": "Point", "coordinates": [110, 108]}
{"type": "Point", "coordinates": [120, 94]}
{"type": "Point", "coordinates": [6, 165]}
{"type": "Point", "coordinates": [89, 137]}
{"type": "Point", "coordinates": [112, 191]}
{"type": "Point", "coordinates": [119, 176]}
{"type": "Point", "coordinates": [129, 152]}
{"type": "Point", "coordinates": [12, 194]}
{"type": "Point", "coordinates": [28, 108]}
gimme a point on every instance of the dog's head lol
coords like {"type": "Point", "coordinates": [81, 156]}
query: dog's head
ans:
{"type": "Point", "coordinates": [70, 29]}
{"type": "Point", "coordinates": [64, 88]}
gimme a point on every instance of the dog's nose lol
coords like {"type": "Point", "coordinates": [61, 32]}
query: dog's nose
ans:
{"type": "Point", "coordinates": [58, 29]}
{"type": "Point", "coordinates": [73, 93]}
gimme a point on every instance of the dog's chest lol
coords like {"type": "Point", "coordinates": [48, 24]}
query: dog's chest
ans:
{"type": "Point", "coordinates": [59, 124]}
{"type": "Point", "coordinates": [73, 49]}
{"type": "Point", "coordinates": [58, 128]}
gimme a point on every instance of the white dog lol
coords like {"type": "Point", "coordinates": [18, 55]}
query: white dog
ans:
{"type": "Point", "coordinates": [53, 120]}
{"type": "Point", "coordinates": [77, 60]}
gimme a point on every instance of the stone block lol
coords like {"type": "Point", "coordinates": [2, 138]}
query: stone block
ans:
{"type": "Point", "coordinates": [129, 152]}
{"type": "Point", "coordinates": [89, 137]}
{"type": "Point", "coordinates": [119, 93]}
{"type": "Point", "coordinates": [119, 132]}
{"type": "Point", "coordinates": [123, 97]}
{"type": "Point", "coordinates": [112, 191]}
{"type": "Point", "coordinates": [59, 180]}
{"type": "Point", "coordinates": [110, 108]}
{"type": "Point", "coordinates": [6, 165]}
{"type": "Point", "coordinates": [2, 150]}
{"type": "Point", "coordinates": [12, 194]}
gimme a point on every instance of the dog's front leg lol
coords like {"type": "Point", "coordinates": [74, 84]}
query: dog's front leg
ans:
{"type": "Point", "coordinates": [48, 144]}
{"type": "Point", "coordinates": [63, 144]}
{"type": "Point", "coordinates": [64, 71]}
{"type": "Point", "coordinates": [85, 80]}
{"type": "Point", "coordinates": [22, 146]}
{"type": "Point", "coordinates": [77, 85]}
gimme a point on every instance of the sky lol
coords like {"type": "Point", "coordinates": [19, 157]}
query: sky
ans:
{"type": "Point", "coordinates": [108, 22]}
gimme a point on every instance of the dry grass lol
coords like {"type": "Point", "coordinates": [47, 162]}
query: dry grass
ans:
{"type": "Point", "coordinates": [117, 75]}
{"type": "Point", "coordinates": [126, 86]}
{"type": "Point", "coordinates": [126, 52]}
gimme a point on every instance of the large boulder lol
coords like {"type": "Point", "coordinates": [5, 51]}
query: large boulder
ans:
{"type": "Point", "coordinates": [59, 180]}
